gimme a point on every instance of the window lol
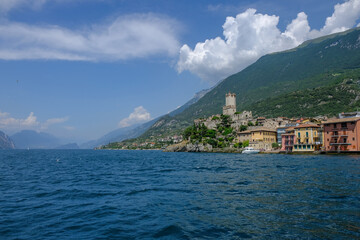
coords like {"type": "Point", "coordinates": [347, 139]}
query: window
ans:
{"type": "Point", "coordinates": [308, 146]}
{"type": "Point", "coordinates": [327, 139]}
{"type": "Point", "coordinates": [345, 139]}
{"type": "Point", "coordinates": [334, 125]}
{"type": "Point", "coordinates": [327, 132]}
{"type": "Point", "coordinates": [307, 134]}
{"type": "Point", "coordinates": [307, 140]}
{"type": "Point", "coordinates": [298, 135]}
{"type": "Point", "coordinates": [353, 139]}
{"type": "Point", "coordinates": [343, 125]}
{"type": "Point", "coordinates": [295, 146]}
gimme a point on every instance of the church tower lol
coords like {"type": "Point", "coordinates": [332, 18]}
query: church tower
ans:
{"type": "Point", "coordinates": [230, 104]}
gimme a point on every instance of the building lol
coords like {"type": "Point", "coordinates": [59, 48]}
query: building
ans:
{"type": "Point", "coordinates": [307, 138]}
{"type": "Point", "coordinates": [260, 120]}
{"type": "Point", "coordinates": [230, 104]}
{"type": "Point", "coordinates": [349, 114]}
{"type": "Point", "coordinates": [282, 130]}
{"type": "Point", "coordinates": [288, 139]}
{"type": "Point", "coordinates": [244, 136]}
{"type": "Point", "coordinates": [342, 135]}
{"type": "Point", "coordinates": [262, 138]}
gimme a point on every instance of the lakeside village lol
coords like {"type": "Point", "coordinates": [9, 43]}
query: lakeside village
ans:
{"type": "Point", "coordinates": [232, 131]}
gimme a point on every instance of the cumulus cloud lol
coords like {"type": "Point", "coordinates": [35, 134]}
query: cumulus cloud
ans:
{"type": "Point", "coordinates": [127, 37]}
{"type": "Point", "coordinates": [139, 115]}
{"type": "Point", "coordinates": [9, 123]}
{"type": "Point", "coordinates": [250, 35]}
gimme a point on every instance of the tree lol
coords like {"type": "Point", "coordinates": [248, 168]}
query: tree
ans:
{"type": "Point", "coordinates": [238, 145]}
{"type": "Point", "coordinates": [243, 128]}
{"type": "Point", "coordinates": [275, 145]}
{"type": "Point", "coordinates": [245, 143]}
{"type": "Point", "coordinates": [188, 132]}
{"type": "Point", "coordinates": [227, 131]}
{"type": "Point", "coordinates": [210, 133]}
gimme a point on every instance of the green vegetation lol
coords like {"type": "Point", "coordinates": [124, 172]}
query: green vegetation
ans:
{"type": "Point", "coordinates": [223, 136]}
{"type": "Point", "coordinates": [243, 128]}
{"type": "Point", "coordinates": [275, 145]}
{"type": "Point", "coordinates": [320, 77]}
{"type": "Point", "coordinates": [329, 100]}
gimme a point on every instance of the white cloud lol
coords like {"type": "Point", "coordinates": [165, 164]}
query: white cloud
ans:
{"type": "Point", "coordinates": [132, 36]}
{"type": "Point", "coordinates": [9, 122]}
{"type": "Point", "coordinates": [343, 18]}
{"type": "Point", "coordinates": [31, 122]}
{"type": "Point", "coordinates": [251, 35]}
{"type": "Point", "coordinates": [139, 115]}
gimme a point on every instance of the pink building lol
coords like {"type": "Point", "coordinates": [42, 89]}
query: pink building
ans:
{"type": "Point", "coordinates": [288, 140]}
{"type": "Point", "coordinates": [342, 135]}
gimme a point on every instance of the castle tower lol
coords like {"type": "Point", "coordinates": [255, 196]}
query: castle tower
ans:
{"type": "Point", "coordinates": [230, 104]}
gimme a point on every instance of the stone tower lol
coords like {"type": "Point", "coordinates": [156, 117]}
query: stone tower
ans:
{"type": "Point", "coordinates": [230, 106]}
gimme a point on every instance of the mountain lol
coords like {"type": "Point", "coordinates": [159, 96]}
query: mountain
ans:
{"type": "Point", "coordinates": [321, 64]}
{"type": "Point", "coordinates": [68, 146]}
{"type": "Point", "coordinates": [196, 98]}
{"type": "Point", "coordinates": [34, 140]}
{"type": "Point", "coordinates": [6, 142]}
{"type": "Point", "coordinates": [121, 134]}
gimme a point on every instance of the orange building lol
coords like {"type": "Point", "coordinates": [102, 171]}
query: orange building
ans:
{"type": "Point", "coordinates": [342, 135]}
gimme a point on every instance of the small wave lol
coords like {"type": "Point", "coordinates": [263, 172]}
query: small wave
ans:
{"type": "Point", "coordinates": [170, 231]}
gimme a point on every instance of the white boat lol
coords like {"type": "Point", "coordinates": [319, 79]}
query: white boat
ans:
{"type": "Point", "coordinates": [250, 150]}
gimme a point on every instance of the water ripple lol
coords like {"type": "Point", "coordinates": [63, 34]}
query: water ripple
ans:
{"type": "Point", "coordinates": [87, 194]}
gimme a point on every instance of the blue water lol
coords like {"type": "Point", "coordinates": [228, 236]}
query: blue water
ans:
{"type": "Point", "coordinates": [86, 194]}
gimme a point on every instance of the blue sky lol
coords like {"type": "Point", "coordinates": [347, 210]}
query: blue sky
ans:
{"type": "Point", "coordinates": [79, 69]}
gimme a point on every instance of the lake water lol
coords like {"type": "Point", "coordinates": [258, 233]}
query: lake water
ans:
{"type": "Point", "coordinates": [87, 194]}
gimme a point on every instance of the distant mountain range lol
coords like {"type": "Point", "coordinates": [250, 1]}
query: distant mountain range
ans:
{"type": "Point", "coordinates": [121, 134]}
{"type": "Point", "coordinates": [6, 142]}
{"type": "Point", "coordinates": [320, 77]}
{"type": "Point", "coordinates": [68, 146]}
{"type": "Point", "coordinates": [34, 140]}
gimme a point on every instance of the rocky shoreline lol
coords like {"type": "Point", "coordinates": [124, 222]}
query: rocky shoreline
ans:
{"type": "Point", "coordinates": [185, 146]}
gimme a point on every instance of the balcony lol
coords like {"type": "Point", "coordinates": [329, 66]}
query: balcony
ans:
{"type": "Point", "coordinates": [339, 135]}
{"type": "Point", "coordinates": [340, 143]}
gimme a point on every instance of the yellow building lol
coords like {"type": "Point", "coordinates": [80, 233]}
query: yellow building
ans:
{"type": "Point", "coordinates": [262, 138]}
{"type": "Point", "coordinates": [308, 138]}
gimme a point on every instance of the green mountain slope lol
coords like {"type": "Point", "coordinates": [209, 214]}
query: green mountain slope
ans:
{"type": "Point", "coordinates": [328, 100]}
{"type": "Point", "coordinates": [319, 63]}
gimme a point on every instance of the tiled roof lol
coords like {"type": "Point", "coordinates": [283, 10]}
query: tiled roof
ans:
{"type": "Point", "coordinates": [310, 125]}
{"type": "Point", "coordinates": [262, 129]}
{"type": "Point", "coordinates": [340, 120]}
{"type": "Point", "coordinates": [245, 132]}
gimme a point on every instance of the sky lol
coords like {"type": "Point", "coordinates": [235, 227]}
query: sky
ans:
{"type": "Point", "coordinates": [80, 68]}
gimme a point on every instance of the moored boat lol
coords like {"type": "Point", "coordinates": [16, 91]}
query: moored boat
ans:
{"type": "Point", "coordinates": [250, 150]}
